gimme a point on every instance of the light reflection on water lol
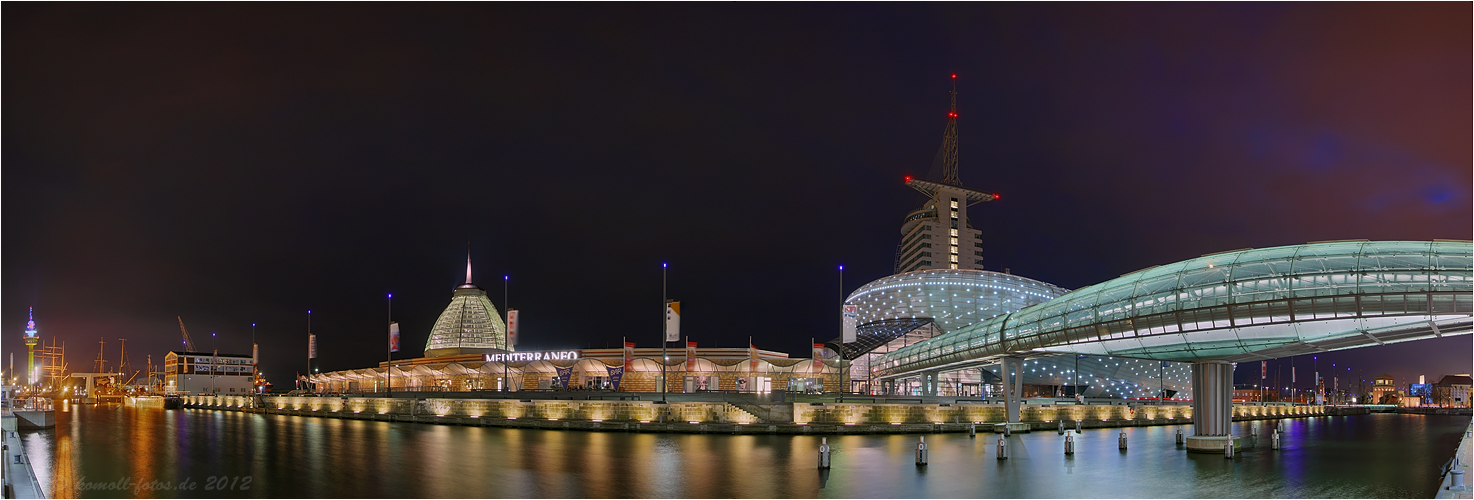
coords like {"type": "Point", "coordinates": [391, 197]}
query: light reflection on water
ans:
{"type": "Point", "coordinates": [1379, 456]}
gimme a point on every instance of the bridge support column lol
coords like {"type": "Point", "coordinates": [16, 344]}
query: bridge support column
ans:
{"type": "Point", "coordinates": [1212, 406]}
{"type": "Point", "coordinates": [929, 383]}
{"type": "Point", "coordinates": [1012, 371]}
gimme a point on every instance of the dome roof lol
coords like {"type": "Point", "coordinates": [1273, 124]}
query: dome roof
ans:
{"type": "Point", "coordinates": [954, 298]}
{"type": "Point", "coordinates": [470, 324]}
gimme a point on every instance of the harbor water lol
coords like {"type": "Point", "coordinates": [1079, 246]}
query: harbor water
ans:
{"type": "Point", "coordinates": [115, 451]}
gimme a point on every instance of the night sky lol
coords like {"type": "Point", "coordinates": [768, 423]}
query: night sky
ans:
{"type": "Point", "coordinates": [239, 163]}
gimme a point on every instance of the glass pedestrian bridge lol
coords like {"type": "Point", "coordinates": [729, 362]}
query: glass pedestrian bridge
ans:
{"type": "Point", "coordinates": [1232, 306]}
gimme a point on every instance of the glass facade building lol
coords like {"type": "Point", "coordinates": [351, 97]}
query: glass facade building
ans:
{"type": "Point", "coordinates": [951, 298]}
{"type": "Point", "coordinates": [1236, 306]}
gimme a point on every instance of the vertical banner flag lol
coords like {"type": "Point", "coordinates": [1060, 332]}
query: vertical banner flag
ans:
{"type": "Point", "coordinates": [312, 346]}
{"type": "Point", "coordinates": [255, 353]}
{"type": "Point", "coordinates": [629, 354]}
{"type": "Point", "coordinates": [1292, 374]}
{"type": "Point", "coordinates": [818, 358]}
{"type": "Point", "coordinates": [1263, 369]}
{"type": "Point", "coordinates": [563, 375]}
{"type": "Point", "coordinates": [394, 337]}
{"type": "Point", "coordinates": [616, 374]}
{"type": "Point", "coordinates": [672, 321]}
{"type": "Point", "coordinates": [512, 327]}
{"type": "Point", "coordinates": [851, 317]}
{"type": "Point", "coordinates": [752, 353]}
{"type": "Point", "coordinates": [690, 356]}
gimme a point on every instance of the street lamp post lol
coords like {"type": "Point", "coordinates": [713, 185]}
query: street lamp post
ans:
{"type": "Point", "coordinates": [664, 326]}
{"type": "Point", "coordinates": [506, 342]}
{"type": "Point", "coordinates": [389, 352]}
{"type": "Point", "coordinates": [310, 347]}
{"type": "Point", "coordinates": [843, 372]}
{"type": "Point", "coordinates": [254, 349]}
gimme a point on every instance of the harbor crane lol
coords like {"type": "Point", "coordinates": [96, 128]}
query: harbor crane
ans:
{"type": "Point", "coordinates": [188, 344]}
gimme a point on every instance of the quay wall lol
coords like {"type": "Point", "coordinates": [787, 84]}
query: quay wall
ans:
{"type": "Point", "coordinates": [718, 416]}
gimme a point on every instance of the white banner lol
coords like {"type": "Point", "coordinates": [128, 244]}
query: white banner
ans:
{"type": "Point", "coordinates": [672, 321]}
{"type": "Point", "coordinates": [851, 318]}
{"type": "Point", "coordinates": [312, 346]}
{"type": "Point", "coordinates": [511, 327]}
{"type": "Point", "coordinates": [394, 337]}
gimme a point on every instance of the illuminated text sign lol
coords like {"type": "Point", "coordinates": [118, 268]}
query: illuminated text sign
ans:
{"type": "Point", "coordinates": [534, 356]}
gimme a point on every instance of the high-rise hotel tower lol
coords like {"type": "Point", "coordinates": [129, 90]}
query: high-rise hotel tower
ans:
{"type": "Point", "coordinates": [938, 235]}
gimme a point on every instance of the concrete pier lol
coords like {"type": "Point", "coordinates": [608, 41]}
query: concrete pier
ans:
{"type": "Point", "coordinates": [35, 419]}
{"type": "Point", "coordinates": [20, 479]}
{"type": "Point", "coordinates": [1464, 454]}
{"type": "Point", "coordinates": [1212, 407]}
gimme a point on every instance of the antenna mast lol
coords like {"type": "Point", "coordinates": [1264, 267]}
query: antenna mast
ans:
{"type": "Point", "coordinates": [948, 154]}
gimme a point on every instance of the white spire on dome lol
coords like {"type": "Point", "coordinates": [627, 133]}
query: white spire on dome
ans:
{"type": "Point", "coordinates": [468, 266]}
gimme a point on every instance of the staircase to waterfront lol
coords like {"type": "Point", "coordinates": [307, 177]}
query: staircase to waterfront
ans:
{"type": "Point", "coordinates": [768, 414]}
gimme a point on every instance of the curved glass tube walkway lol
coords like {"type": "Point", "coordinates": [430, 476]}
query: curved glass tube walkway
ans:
{"type": "Point", "coordinates": [1235, 306]}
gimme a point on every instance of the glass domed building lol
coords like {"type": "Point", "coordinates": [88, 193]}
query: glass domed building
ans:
{"type": "Point", "coordinates": [903, 309]}
{"type": "Point", "coordinates": [469, 325]}
{"type": "Point", "coordinates": [952, 298]}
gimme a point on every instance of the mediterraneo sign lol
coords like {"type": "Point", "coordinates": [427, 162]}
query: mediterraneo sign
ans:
{"type": "Point", "coordinates": [533, 356]}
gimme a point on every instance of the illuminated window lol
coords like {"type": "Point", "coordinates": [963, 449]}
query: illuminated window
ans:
{"type": "Point", "coordinates": [954, 214]}
{"type": "Point", "coordinates": [954, 242]}
{"type": "Point", "coordinates": [954, 258]}
{"type": "Point", "coordinates": [954, 206]}
{"type": "Point", "coordinates": [954, 232]}
{"type": "Point", "coordinates": [954, 266]}
{"type": "Point", "coordinates": [954, 249]}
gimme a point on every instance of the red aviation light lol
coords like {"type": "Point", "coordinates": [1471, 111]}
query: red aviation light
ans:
{"type": "Point", "coordinates": [996, 196]}
{"type": "Point", "coordinates": [908, 178]}
{"type": "Point", "coordinates": [954, 76]}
